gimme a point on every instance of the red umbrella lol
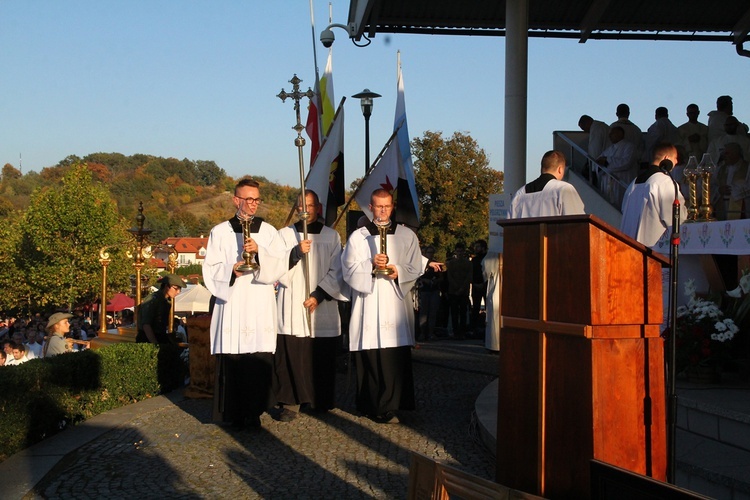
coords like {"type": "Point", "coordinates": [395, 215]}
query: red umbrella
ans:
{"type": "Point", "coordinates": [119, 302]}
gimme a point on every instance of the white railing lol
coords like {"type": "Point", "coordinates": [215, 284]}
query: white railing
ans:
{"type": "Point", "coordinates": [574, 145]}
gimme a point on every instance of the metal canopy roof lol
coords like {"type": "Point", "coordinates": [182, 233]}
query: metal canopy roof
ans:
{"type": "Point", "coordinates": [705, 20]}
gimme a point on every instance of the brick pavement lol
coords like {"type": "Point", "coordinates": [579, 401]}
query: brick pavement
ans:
{"type": "Point", "coordinates": [174, 451]}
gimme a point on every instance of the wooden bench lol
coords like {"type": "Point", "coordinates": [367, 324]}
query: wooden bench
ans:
{"type": "Point", "coordinates": [431, 480]}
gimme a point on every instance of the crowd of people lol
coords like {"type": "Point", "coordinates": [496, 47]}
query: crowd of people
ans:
{"type": "Point", "coordinates": [451, 298]}
{"type": "Point", "coordinates": [621, 151]}
{"type": "Point", "coordinates": [41, 336]}
{"type": "Point", "coordinates": [24, 339]}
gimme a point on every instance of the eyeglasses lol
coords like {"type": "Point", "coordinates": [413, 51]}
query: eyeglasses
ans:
{"type": "Point", "coordinates": [251, 200]}
{"type": "Point", "coordinates": [175, 287]}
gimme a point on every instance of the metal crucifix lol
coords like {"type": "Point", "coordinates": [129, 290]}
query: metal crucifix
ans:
{"type": "Point", "coordinates": [297, 96]}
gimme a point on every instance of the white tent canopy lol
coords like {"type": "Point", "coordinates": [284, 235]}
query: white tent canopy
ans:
{"type": "Point", "coordinates": [194, 299]}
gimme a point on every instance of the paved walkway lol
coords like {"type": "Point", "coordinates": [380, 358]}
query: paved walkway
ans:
{"type": "Point", "coordinates": [167, 447]}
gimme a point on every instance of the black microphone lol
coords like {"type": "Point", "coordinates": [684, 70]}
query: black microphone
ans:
{"type": "Point", "coordinates": [666, 165]}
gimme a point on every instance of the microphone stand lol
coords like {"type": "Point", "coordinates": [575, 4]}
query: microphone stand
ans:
{"type": "Point", "coordinates": [674, 251]}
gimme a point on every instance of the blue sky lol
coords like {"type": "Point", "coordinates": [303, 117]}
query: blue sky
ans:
{"type": "Point", "coordinates": [198, 80]}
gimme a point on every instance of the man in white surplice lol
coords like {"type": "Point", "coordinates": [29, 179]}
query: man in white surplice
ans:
{"type": "Point", "coordinates": [243, 320]}
{"type": "Point", "coordinates": [647, 207]}
{"type": "Point", "coordinates": [381, 330]}
{"type": "Point", "coordinates": [548, 195]}
{"type": "Point", "coordinates": [305, 364]}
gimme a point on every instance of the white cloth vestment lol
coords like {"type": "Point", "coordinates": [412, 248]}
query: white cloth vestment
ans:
{"type": "Point", "coordinates": [324, 265]}
{"type": "Point", "coordinates": [556, 198]}
{"type": "Point", "coordinates": [647, 208]}
{"type": "Point", "coordinates": [244, 316]}
{"type": "Point", "coordinates": [382, 312]}
{"type": "Point", "coordinates": [492, 269]}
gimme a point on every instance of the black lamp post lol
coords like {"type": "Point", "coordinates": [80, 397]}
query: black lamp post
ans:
{"type": "Point", "coordinates": [365, 98]}
{"type": "Point", "coordinates": [139, 252]}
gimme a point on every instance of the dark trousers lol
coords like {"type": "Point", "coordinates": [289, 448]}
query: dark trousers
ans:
{"type": "Point", "coordinates": [385, 381]}
{"type": "Point", "coordinates": [243, 386]}
{"type": "Point", "coordinates": [306, 371]}
{"type": "Point", "coordinates": [459, 305]}
{"type": "Point", "coordinates": [429, 303]}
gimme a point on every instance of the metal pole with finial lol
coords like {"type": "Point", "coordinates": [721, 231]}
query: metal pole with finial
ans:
{"type": "Point", "coordinates": [297, 96]}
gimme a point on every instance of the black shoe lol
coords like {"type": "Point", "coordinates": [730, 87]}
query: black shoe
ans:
{"type": "Point", "coordinates": [285, 415]}
{"type": "Point", "coordinates": [386, 418]}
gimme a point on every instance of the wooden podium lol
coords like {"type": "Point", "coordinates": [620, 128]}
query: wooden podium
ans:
{"type": "Point", "coordinates": [581, 372]}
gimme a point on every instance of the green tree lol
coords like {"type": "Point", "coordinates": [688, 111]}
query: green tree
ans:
{"type": "Point", "coordinates": [183, 223]}
{"type": "Point", "coordinates": [454, 181]}
{"type": "Point", "coordinates": [60, 235]}
{"type": "Point", "coordinates": [6, 208]}
{"type": "Point", "coordinates": [68, 161]}
{"type": "Point", "coordinates": [191, 269]}
{"type": "Point", "coordinates": [10, 172]}
{"type": "Point", "coordinates": [16, 288]}
{"type": "Point", "coordinates": [209, 172]}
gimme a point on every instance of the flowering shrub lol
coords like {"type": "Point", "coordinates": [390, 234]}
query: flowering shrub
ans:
{"type": "Point", "coordinates": [704, 335]}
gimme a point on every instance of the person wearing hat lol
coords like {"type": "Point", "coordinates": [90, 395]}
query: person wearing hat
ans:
{"type": "Point", "coordinates": [57, 326]}
{"type": "Point", "coordinates": [154, 311]}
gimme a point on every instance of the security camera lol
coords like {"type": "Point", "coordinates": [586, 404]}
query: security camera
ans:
{"type": "Point", "coordinates": [327, 37]}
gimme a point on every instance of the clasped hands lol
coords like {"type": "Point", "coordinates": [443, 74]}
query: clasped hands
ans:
{"type": "Point", "coordinates": [251, 246]}
{"type": "Point", "coordinates": [380, 261]}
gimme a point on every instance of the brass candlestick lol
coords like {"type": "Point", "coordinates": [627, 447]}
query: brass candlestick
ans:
{"type": "Point", "coordinates": [248, 257]}
{"type": "Point", "coordinates": [383, 231]}
{"type": "Point", "coordinates": [705, 170]}
{"type": "Point", "coordinates": [691, 175]}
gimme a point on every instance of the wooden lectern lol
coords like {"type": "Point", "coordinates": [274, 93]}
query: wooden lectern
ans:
{"type": "Point", "coordinates": [581, 372]}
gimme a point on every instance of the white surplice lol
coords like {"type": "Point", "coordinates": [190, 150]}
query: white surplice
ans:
{"type": "Point", "coordinates": [382, 309]}
{"type": "Point", "coordinates": [647, 208]}
{"type": "Point", "coordinates": [556, 198]}
{"type": "Point", "coordinates": [324, 261]}
{"type": "Point", "coordinates": [492, 268]}
{"type": "Point", "coordinates": [244, 316]}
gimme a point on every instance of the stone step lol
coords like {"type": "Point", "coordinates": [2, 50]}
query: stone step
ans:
{"type": "Point", "coordinates": [713, 441]}
{"type": "Point", "coordinates": [712, 468]}
{"type": "Point", "coordinates": [719, 414]}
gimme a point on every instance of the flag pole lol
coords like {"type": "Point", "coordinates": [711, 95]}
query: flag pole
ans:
{"type": "Point", "coordinates": [296, 96]}
{"type": "Point", "coordinates": [369, 171]}
{"type": "Point", "coordinates": [398, 62]}
{"type": "Point", "coordinates": [314, 44]}
{"type": "Point", "coordinates": [325, 139]}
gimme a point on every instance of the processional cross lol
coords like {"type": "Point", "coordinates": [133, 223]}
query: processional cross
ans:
{"type": "Point", "coordinates": [297, 96]}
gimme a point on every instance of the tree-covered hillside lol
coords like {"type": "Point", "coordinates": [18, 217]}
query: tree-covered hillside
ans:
{"type": "Point", "coordinates": [180, 197]}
